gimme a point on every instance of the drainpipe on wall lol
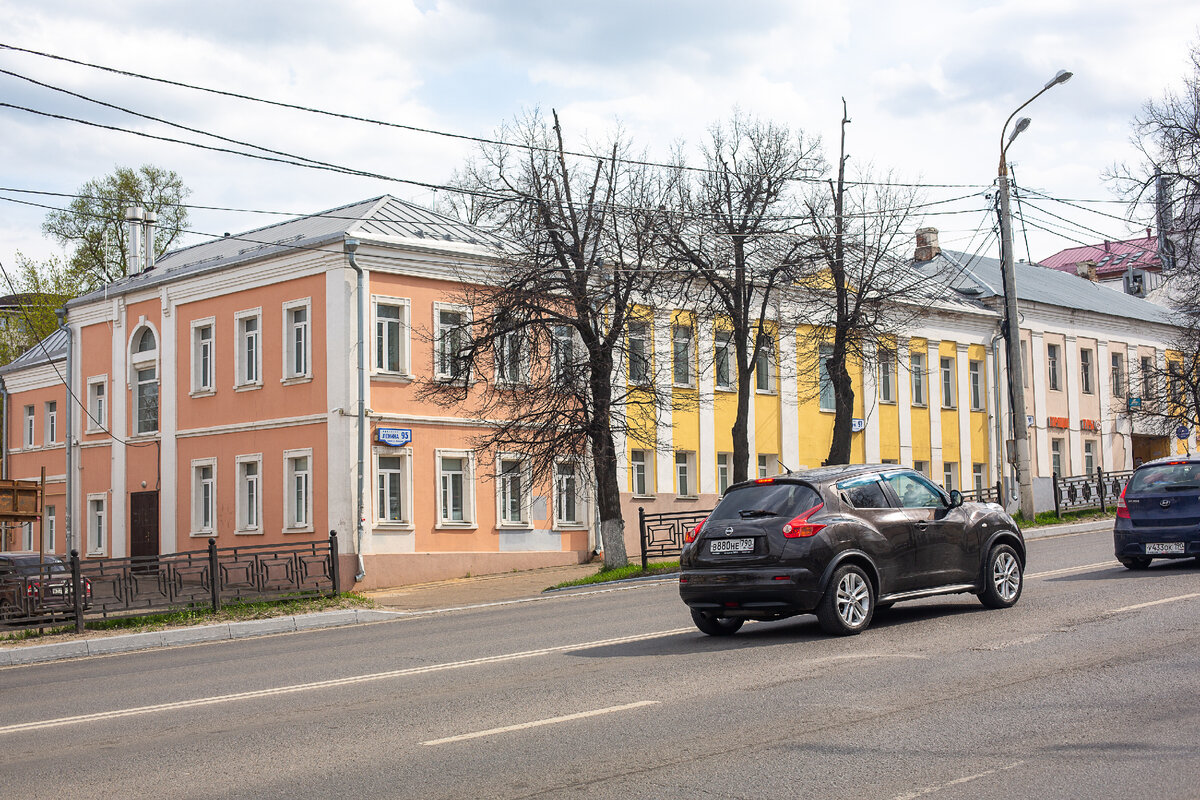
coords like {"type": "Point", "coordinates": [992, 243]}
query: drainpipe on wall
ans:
{"type": "Point", "coordinates": [350, 246]}
{"type": "Point", "coordinates": [68, 432]}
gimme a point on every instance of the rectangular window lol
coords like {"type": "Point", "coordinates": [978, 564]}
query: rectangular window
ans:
{"type": "Point", "coordinates": [639, 353]}
{"type": "Point", "coordinates": [510, 357]}
{"type": "Point", "coordinates": [685, 473]}
{"type": "Point", "coordinates": [1085, 371]}
{"type": "Point", "coordinates": [513, 491]}
{"type": "Point", "coordinates": [947, 370]}
{"type": "Point", "coordinates": [949, 475]}
{"type": "Point", "coordinates": [391, 335]}
{"type": "Point", "coordinates": [455, 482]}
{"type": "Point", "coordinates": [827, 400]}
{"type": "Point", "coordinates": [51, 422]}
{"type": "Point", "coordinates": [1056, 456]}
{"type": "Point", "coordinates": [723, 359]}
{"type": "Point", "coordinates": [640, 465]}
{"type": "Point", "coordinates": [1052, 366]}
{"type": "Point", "coordinates": [917, 368]}
{"type": "Point", "coordinates": [204, 497]}
{"type": "Point", "coordinates": [249, 493]}
{"type": "Point", "coordinates": [249, 352]}
{"type": "Point", "coordinates": [297, 467]}
{"type": "Point", "coordinates": [97, 527]}
{"type": "Point", "coordinates": [1089, 457]}
{"type": "Point", "coordinates": [766, 465]}
{"type": "Point", "coordinates": [922, 467]}
{"type": "Point", "coordinates": [1147, 377]}
{"type": "Point", "coordinates": [977, 477]}
{"type": "Point", "coordinates": [202, 356]}
{"type": "Point", "coordinates": [681, 355]}
{"type": "Point", "coordinates": [27, 536]}
{"type": "Point", "coordinates": [724, 471]}
{"type": "Point", "coordinates": [393, 484]}
{"type": "Point", "coordinates": [563, 355]}
{"type": "Point", "coordinates": [1118, 375]}
{"type": "Point", "coordinates": [764, 366]}
{"type": "Point", "coordinates": [49, 527]}
{"type": "Point", "coordinates": [975, 371]}
{"type": "Point", "coordinates": [567, 510]}
{"type": "Point", "coordinates": [887, 376]}
{"type": "Point", "coordinates": [147, 400]}
{"type": "Point", "coordinates": [29, 418]}
{"type": "Point", "coordinates": [297, 348]}
{"type": "Point", "coordinates": [452, 334]}
{"type": "Point", "coordinates": [97, 418]}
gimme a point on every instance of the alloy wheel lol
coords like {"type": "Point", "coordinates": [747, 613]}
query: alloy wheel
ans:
{"type": "Point", "coordinates": [853, 599]}
{"type": "Point", "coordinates": [1006, 575]}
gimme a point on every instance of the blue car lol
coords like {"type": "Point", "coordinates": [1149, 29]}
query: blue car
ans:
{"type": "Point", "coordinates": [1158, 515]}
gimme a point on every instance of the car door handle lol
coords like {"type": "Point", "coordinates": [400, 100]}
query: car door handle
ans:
{"type": "Point", "coordinates": [922, 525]}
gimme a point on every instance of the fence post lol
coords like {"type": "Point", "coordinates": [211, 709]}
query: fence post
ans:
{"type": "Point", "coordinates": [1100, 487]}
{"type": "Point", "coordinates": [333, 563]}
{"type": "Point", "coordinates": [1057, 509]}
{"type": "Point", "coordinates": [1000, 499]}
{"type": "Point", "coordinates": [214, 575]}
{"type": "Point", "coordinates": [77, 591]}
{"type": "Point", "coordinates": [642, 535]}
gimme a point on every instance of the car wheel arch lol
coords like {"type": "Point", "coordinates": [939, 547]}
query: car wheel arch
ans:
{"type": "Point", "coordinates": [853, 556]}
{"type": "Point", "coordinates": [1002, 537]}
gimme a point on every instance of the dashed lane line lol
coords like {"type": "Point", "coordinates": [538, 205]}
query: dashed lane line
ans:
{"type": "Point", "coordinates": [538, 723]}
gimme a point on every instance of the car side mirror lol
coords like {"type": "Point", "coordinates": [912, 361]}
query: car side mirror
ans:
{"type": "Point", "coordinates": [956, 498]}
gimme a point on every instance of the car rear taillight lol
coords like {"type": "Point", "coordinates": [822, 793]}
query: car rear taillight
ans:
{"type": "Point", "coordinates": [87, 587]}
{"type": "Point", "coordinates": [1122, 507]}
{"type": "Point", "coordinates": [690, 536]}
{"type": "Point", "coordinates": [800, 527]}
{"type": "Point", "coordinates": [33, 589]}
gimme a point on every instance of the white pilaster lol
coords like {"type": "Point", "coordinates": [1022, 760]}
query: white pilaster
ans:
{"type": "Point", "coordinates": [789, 407]}
{"type": "Point", "coordinates": [963, 381]}
{"type": "Point", "coordinates": [1071, 362]}
{"type": "Point", "coordinates": [664, 463]}
{"type": "Point", "coordinates": [934, 400]}
{"type": "Point", "coordinates": [706, 458]}
{"type": "Point", "coordinates": [1104, 392]}
{"type": "Point", "coordinates": [118, 527]}
{"type": "Point", "coordinates": [1037, 354]}
{"type": "Point", "coordinates": [996, 403]}
{"type": "Point", "coordinates": [904, 402]}
{"type": "Point", "coordinates": [170, 379]}
{"type": "Point", "coordinates": [870, 398]}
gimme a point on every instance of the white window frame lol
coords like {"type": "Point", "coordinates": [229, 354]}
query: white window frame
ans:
{"type": "Point", "coordinates": [638, 331]}
{"type": "Point", "coordinates": [242, 380]}
{"type": "Point", "coordinates": [524, 473]}
{"type": "Point", "coordinates": [826, 398]}
{"type": "Point", "coordinates": [1089, 456]}
{"type": "Point", "coordinates": [1053, 358]}
{"type": "Point", "coordinates": [764, 379]}
{"type": "Point", "coordinates": [30, 424]}
{"type": "Point", "coordinates": [444, 522]}
{"type": "Point", "coordinates": [562, 359]}
{"type": "Point", "coordinates": [243, 509]}
{"type": "Point", "coordinates": [922, 467]}
{"type": "Point", "coordinates": [947, 370]}
{"type": "Point", "coordinates": [641, 468]}
{"type": "Point", "coordinates": [916, 362]}
{"type": "Point", "coordinates": [403, 333]}
{"type": "Point", "coordinates": [767, 461]}
{"type": "Point", "coordinates": [977, 477]}
{"type": "Point", "coordinates": [1117, 375]}
{"type": "Point", "coordinates": [504, 357]}
{"type": "Point", "coordinates": [723, 356]}
{"type": "Point", "coordinates": [197, 493]}
{"type": "Point", "coordinates": [950, 475]}
{"type": "Point", "coordinates": [685, 473]}
{"type": "Point", "coordinates": [1057, 448]}
{"type": "Point", "coordinates": [51, 417]}
{"type": "Point", "coordinates": [291, 520]}
{"type": "Point", "coordinates": [27, 536]}
{"type": "Point", "coordinates": [1086, 384]}
{"type": "Point", "coordinates": [49, 524]}
{"type": "Point", "coordinates": [289, 349]}
{"type": "Point", "coordinates": [203, 385]}
{"type": "Point", "coordinates": [724, 471]}
{"type": "Point", "coordinates": [580, 500]}
{"type": "Point", "coordinates": [975, 375]}
{"type": "Point", "coordinates": [138, 383]}
{"type": "Point", "coordinates": [382, 492]}
{"type": "Point", "coordinates": [96, 418]}
{"type": "Point", "coordinates": [440, 342]}
{"type": "Point", "coordinates": [887, 376]}
{"type": "Point", "coordinates": [97, 524]}
{"type": "Point", "coordinates": [683, 355]}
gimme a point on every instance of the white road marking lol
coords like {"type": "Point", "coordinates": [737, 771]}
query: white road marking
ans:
{"type": "Point", "coordinates": [956, 782]}
{"type": "Point", "coordinates": [315, 685]}
{"type": "Point", "coordinates": [1156, 602]}
{"type": "Point", "coordinates": [1069, 570]}
{"type": "Point", "coordinates": [538, 723]}
{"type": "Point", "coordinates": [557, 594]}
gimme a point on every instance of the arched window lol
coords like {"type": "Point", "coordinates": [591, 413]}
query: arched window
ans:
{"type": "Point", "coordinates": [146, 342]}
{"type": "Point", "coordinates": [143, 361]}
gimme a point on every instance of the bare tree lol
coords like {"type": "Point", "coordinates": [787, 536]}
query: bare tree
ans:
{"type": "Point", "coordinates": [542, 357]}
{"type": "Point", "coordinates": [731, 232]}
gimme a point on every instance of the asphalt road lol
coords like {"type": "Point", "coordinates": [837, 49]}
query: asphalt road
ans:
{"type": "Point", "coordinates": [1087, 688]}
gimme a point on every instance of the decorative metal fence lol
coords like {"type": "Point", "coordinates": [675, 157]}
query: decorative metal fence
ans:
{"type": "Point", "coordinates": [988, 494]}
{"type": "Point", "coordinates": [117, 587]}
{"type": "Point", "coordinates": [1100, 490]}
{"type": "Point", "coordinates": [662, 534]}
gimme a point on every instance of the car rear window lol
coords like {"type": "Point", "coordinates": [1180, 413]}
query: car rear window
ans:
{"type": "Point", "coordinates": [1165, 478]}
{"type": "Point", "coordinates": [766, 499]}
{"type": "Point", "coordinates": [864, 492]}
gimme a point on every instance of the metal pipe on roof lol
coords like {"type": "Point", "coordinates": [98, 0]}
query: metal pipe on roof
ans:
{"type": "Point", "coordinates": [350, 246]}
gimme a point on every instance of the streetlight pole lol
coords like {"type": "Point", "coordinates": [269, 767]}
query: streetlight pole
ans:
{"type": "Point", "coordinates": [1012, 333]}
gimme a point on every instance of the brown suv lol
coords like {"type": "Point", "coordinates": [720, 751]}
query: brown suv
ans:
{"type": "Point", "coordinates": [36, 585]}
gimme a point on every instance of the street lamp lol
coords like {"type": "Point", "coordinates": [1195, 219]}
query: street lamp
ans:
{"type": "Point", "coordinates": [1012, 336]}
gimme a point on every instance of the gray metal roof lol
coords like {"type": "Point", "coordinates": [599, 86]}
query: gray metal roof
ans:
{"type": "Point", "coordinates": [52, 348]}
{"type": "Point", "coordinates": [980, 277]}
{"type": "Point", "coordinates": [384, 217]}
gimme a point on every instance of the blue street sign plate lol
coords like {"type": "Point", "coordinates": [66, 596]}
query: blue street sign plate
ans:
{"type": "Point", "coordinates": [857, 425]}
{"type": "Point", "coordinates": [1182, 433]}
{"type": "Point", "coordinates": [395, 437]}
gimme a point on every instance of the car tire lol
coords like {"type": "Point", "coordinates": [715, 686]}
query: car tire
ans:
{"type": "Point", "coordinates": [1002, 578]}
{"type": "Point", "coordinates": [848, 604]}
{"type": "Point", "coordinates": [1136, 562]}
{"type": "Point", "coordinates": [714, 625]}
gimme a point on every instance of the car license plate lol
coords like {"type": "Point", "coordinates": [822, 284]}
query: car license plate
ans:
{"type": "Point", "coordinates": [1164, 548]}
{"type": "Point", "coordinates": [731, 546]}
{"type": "Point", "coordinates": [58, 590]}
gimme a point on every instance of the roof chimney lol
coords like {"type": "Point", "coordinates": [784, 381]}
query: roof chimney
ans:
{"type": "Point", "coordinates": [1087, 269]}
{"type": "Point", "coordinates": [927, 244]}
{"type": "Point", "coordinates": [148, 231]}
{"type": "Point", "coordinates": [134, 215]}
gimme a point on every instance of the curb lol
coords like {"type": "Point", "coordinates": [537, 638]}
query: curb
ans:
{"type": "Point", "coordinates": [1047, 531]}
{"type": "Point", "coordinates": [17, 656]}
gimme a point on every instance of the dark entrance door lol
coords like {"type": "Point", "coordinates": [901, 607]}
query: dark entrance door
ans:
{"type": "Point", "coordinates": [143, 524]}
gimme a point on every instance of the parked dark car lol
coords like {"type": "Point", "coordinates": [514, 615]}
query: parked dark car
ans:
{"type": "Point", "coordinates": [840, 542]}
{"type": "Point", "coordinates": [36, 585]}
{"type": "Point", "coordinates": [1158, 515]}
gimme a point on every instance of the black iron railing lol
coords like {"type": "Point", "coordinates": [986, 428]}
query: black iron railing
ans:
{"type": "Point", "coordinates": [1099, 490]}
{"type": "Point", "coordinates": [662, 533]}
{"type": "Point", "coordinates": [988, 494]}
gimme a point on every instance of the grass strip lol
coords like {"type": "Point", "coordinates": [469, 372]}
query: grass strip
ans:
{"type": "Point", "coordinates": [619, 574]}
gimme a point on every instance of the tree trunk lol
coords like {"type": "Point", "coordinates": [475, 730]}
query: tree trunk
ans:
{"type": "Point", "coordinates": [604, 467]}
{"type": "Point", "coordinates": [741, 425]}
{"type": "Point", "coordinates": [843, 399]}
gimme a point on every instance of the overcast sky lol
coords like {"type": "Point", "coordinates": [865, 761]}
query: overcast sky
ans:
{"type": "Point", "coordinates": [929, 85]}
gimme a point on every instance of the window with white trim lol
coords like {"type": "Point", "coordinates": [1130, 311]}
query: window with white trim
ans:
{"type": "Point", "coordinates": [685, 473]}
{"type": "Point", "coordinates": [724, 471]}
{"type": "Point", "coordinates": [30, 414]}
{"type": "Point", "coordinates": [1056, 456]}
{"type": "Point", "coordinates": [568, 499]}
{"type": "Point", "coordinates": [642, 472]}
{"type": "Point", "coordinates": [147, 399]}
{"type": "Point", "coordinates": [1085, 370]}
{"type": "Point", "coordinates": [96, 418]}
{"type": "Point", "coordinates": [949, 475]}
{"type": "Point", "coordinates": [1118, 375]}
{"type": "Point", "coordinates": [1089, 457]}
{"type": "Point", "coordinates": [249, 348]}
{"type": "Point", "coordinates": [562, 354]}
{"type": "Point", "coordinates": [682, 355]}
{"type": "Point", "coordinates": [764, 365]}
{"type": "Point", "coordinates": [297, 351]}
{"type": "Point", "coordinates": [975, 372]}
{"type": "Point", "coordinates": [452, 330]}
{"type": "Point", "coordinates": [27, 536]}
{"type": "Point", "coordinates": [202, 355]}
{"type": "Point", "coordinates": [51, 422]}
{"type": "Point", "coordinates": [511, 355]}
{"type": "Point", "coordinates": [49, 528]}
{"type": "Point", "coordinates": [948, 394]}
{"type": "Point", "coordinates": [393, 485]}
{"type": "Point", "coordinates": [977, 477]}
{"type": "Point", "coordinates": [456, 483]}
{"type": "Point", "coordinates": [723, 359]}
{"type": "Point", "coordinates": [97, 524]}
{"type": "Point", "coordinates": [204, 497]}
{"type": "Point", "coordinates": [1052, 367]}
{"type": "Point", "coordinates": [917, 369]}
{"type": "Point", "coordinates": [766, 465]}
{"type": "Point", "coordinates": [825, 382]}
{"type": "Point", "coordinates": [639, 352]}
{"type": "Point", "coordinates": [297, 488]}
{"type": "Point", "coordinates": [922, 467]}
{"type": "Point", "coordinates": [513, 496]}
{"type": "Point", "coordinates": [392, 343]}
{"type": "Point", "coordinates": [249, 494]}
{"type": "Point", "coordinates": [887, 376]}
